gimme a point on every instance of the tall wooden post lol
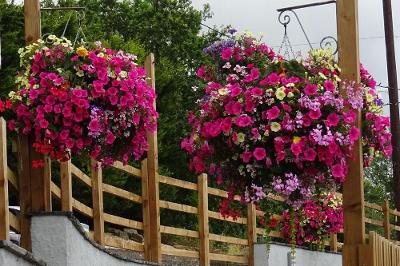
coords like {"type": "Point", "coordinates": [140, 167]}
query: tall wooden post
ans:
{"type": "Point", "coordinates": [4, 214]}
{"type": "Point", "coordinates": [97, 197]}
{"type": "Point", "coordinates": [204, 232]}
{"type": "Point", "coordinates": [353, 190]}
{"type": "Point", "coordinates": [66, 186]}
{"type": "Point", "coordinates": [153, 252]}
{"type": "Point", "coordinates": [251, 230]}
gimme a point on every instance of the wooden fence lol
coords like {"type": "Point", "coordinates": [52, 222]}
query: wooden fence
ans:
{"type": "Point", "coordinates": [379, 252]}
{"type": "Point", "coordinates": [37, 191]}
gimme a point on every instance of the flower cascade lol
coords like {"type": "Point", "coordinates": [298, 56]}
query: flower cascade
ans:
{"type": "Point", "coordinates": [82, 101]}
{"type": "Point", "coordinates": [314, 223]}
{"type": "Point", "coordinates": [263, 124]}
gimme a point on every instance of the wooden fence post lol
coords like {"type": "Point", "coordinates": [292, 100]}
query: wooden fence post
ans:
{"type": "Point", "coordinates": [386, 219]}
{"type": "Point", "coordinates": [4, 214]}
{"type": "Point", "coordinates": [203, 220]}
{"type": "Point", "coordinates": [66, 186]}
{"type": "Point", "coordinates": [251, 230]}
{"type": "Point", "coordinates": [153, 252]}
{"type": "Point", "coordinates": [333, 243]}
{"type": "Point", "coordinates": [97, 196]}
{"type": "Point", "coordinates": [353, 187]}
{"type": "Point", "coordinates": [24, 190]}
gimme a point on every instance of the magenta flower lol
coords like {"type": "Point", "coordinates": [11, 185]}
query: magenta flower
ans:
{"type": "Point", "coordinates": [273, 113]}
{"type": "Point", "coordinates": [43, 123]}
{"type": "Point", "coordinates": [259, 153]}
{"type": "Point", "coordinates": [310, 154]}
{"type": "Point", "coordinates": [354, 134]}
{"type": "Point", "coordinates": [226, 54]}
{"type": "Point", "coordinates": [310, 89]}
{"type": "Point", "coordinates": [246, 156]}
{"type": "Point", "coordinates": [243, 121]}
{"type": "Point", "coordinates": [314, 114]}
{"type": "Point", "coordinates": [94, 125]}
{"type": "Point", "coordinates": [332, 120]}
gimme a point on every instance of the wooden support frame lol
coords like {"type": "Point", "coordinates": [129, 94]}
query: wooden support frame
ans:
{"type": "Point", "coordinates": [151, 198]}
{"type": "Point", "coordinates": [251, 230]}
{"type": "Point", "coordinates": [4, 213]}
{"type": "Point", "coordinates": [353, 189]}
{"type": "Point", "coordinates": [66, 186]}
{"type": "Point", "coordinates": [204, 232]}
{"type": "Point", "coordinates": [97, 196]}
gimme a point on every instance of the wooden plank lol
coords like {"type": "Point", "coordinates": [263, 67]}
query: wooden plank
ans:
{"type": "Point", "coordinates": [109, 218]}
{"type": "Point", "coordinates": [333, 243]}
{"type": "Point", "coordinates": [12, 178]}
{"type": "Point", "coordinates": [353, 188]}
{"type": "Point", "coordinates": [145, 207]}
{"type": "Point", "coordinates": [221, 193]}
{"type": "Point", "coordinates": [386, 219]}
{"type": "Point", "coordinates": [373, 206]}
{"type": "Point", "coordinates": [47, 184]}
{"type": "Point", "coordinates": [4, 212]}
{"type": "Point", "coordinates": [374, 222]}
{"type": "Point", "coordinates": [122, 193]}
{"type": "Point", "coordinates": [117, 242]}
{"type": "Point", "coordinates": [394, 212]}
{"type": "Point", "coordinates": [178, 231]}
{"type": "Point", "coordinates": [128, 169]}
{"type": "Point", "coordinates": [66, 185]}
{"type": "Point", "coordinates": [154, 252]}
{"type": "Point", "coordinates": [277, 234]}
{"type": "Point", "coordinates": [251, 231]}
{"type": "Point", "coordinates": [229, 239]}
{"type": "Point", "coordinates": [97, 196]}
{"type": "Point", "coordinates": [177, 207]}
{"type": "Point", "coordinates": [204, 232]}
{"type": "Point", "coordinates": [218, 216]}
{"type": "Point", "coordinates": [55, 190]}
{"type": "Point", "coordinates": [14, 222]}
{"type": "Point", "coordinates": [229, 258]}
{"type": "Point", "coordinates": [24, 190]}
{"type": "Point", "coordinates": [177, 182]}
{"type": "Point", "coordinates": [81, 175]}
{"type": "Point", "coordinates": [168, 250]}
{"type": "Point", "coordinates": [82, 208]}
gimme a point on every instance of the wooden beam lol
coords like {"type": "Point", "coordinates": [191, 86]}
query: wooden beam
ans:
{"type": "Point", "coordinates": [353, 189]}
{"type": "Point", "coordinates": [97, 196]}
{"type": "Point", "coordinates": [251, 231]}
{"type": "Point", "coordinates": [386, 219]}
{"type": "Point", "coordinates": [153, 184]}
{"type": "Point", "coordinates": [4, 213]}
{"type": "Point", "coordinates": [66, 186]}
{"type": "Point", "coordinates": [24, 190]}
{"type": "Point", "coordinates": [204, 232]}
{"type": "Point", "coordinates": [32, 21]}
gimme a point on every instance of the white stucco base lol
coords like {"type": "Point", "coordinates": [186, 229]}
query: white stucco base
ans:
{"type": "Point", "coordinates": [57, 241]}
{"type": "Point", "coordinates": [278, 256]}
{"type": "Point", "coordinates": [13, 255]}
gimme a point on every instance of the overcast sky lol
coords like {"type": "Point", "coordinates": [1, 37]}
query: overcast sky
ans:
{"type": "Point", "coordinates": [261, 18]}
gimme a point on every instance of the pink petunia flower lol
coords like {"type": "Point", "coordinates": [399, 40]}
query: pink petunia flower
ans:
{"type": "Point", "coordinates": [243, 121]}
{"type": "Point", "coordinates": [259, 153]}
{"type": "Point", "coordinates": [310, 89]}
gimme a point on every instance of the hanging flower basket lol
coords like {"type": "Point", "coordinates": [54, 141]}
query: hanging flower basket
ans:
{"type": "Point", "coordinates": [263, 124]}
{"type": "Point", "coordinates": [82, 101]}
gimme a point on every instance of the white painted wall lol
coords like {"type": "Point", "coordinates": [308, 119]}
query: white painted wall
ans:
{"type": "Point", "coordinates": [279, 257]}
{"type": "Point", "coordinates": [13, 255]}
{"type": "Point", "coordinates": [58, 242]}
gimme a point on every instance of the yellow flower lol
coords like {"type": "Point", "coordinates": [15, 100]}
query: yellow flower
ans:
{"type": "Point", "coordinates": [81, 51]}
{"type": "Point", "coordinates": [370, 98]}
{"type": "Point", "coordinates": [296, 139]}
{"type": "Point", "coordinates": [240, 137]}
{"type": "Point", "coordinates": [223, 91]}
{"type": "Point", "coordinates": [275, 126]}
{"type": "Point", "coordinates": [280, 93]}
{"type": "Point", "coordinates": [290, 94]}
